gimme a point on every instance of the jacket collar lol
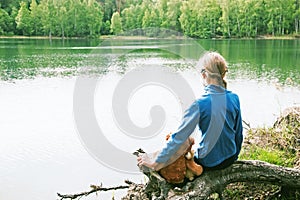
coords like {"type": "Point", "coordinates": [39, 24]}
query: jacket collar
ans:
{"type": "Point", "coordinates": [214, 89]}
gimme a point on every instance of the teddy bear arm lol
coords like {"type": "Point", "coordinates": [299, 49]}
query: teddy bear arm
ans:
{"type": "Point", "coordinates": [194, 167]}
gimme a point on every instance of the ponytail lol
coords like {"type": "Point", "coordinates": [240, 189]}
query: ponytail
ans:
{"type": "Point", "coordinates": [215, 66]}
{"type": "Point", "coordinates": [225, 83]}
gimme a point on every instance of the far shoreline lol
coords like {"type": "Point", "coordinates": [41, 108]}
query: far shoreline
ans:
{"type": "Point", "coordinates": [121, 37]}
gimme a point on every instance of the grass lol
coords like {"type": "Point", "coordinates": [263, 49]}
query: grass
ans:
{"type": "Point", "coordinates": [274, 156]}
{"type": "Point", "coordinates": [274, 145]}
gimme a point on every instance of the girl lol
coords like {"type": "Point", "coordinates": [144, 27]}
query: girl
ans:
{"type": "Point", "coordinates": [217, 115]}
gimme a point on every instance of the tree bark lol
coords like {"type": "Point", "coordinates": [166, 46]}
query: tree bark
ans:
{"type": "Point", "coordinates": [241, 171]}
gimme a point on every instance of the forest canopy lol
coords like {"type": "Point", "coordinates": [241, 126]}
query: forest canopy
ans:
{"type": "Point", "coordinates": [194, 18]}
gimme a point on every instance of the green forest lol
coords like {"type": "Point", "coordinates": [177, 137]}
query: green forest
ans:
{"type": "Point", "coordinates": [193, 18]}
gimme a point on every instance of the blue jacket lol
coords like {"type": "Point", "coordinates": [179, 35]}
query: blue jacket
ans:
{"type": "Point", "coordinates": [218, 116]}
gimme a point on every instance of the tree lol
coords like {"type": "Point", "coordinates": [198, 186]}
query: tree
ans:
{"type": "Point", "coordinates": [297, 16]}
{"type": "Point", "coordinates": [71, 18]}
{"type": "Point", "coordinates": [260, 17]}
{"type": "Point", "coordinates": [4, 21]}
{"type": "Point", "coordinates": [185, 17]}
{"type": "Point", "coordinates": [94, 17]}
{"type": "Point", "coordinates": [207, 19]}
{"type": "Point", "coordinates": [214, 14]}
{"type": "Point", "coordinates": [162, 6]}
{"type": "Point", "coordinates": [35, 14]}
{"type": "Point", "coordinates": [225, 17]}
{"type": "Point", "coordinates": [105, 28]}
{"type": "Point", "coordinates": [23, 19]}
{"type": "Point", "coordinates": [287, 12]}
{"type": "Point", "coordinates": [151, 19]}
{"type": "Point", "coordinates": [139, 15]}
{"type": "Point", "coordinates": [62, 20]}
{"type": "Point", "coordinates": [12, 21]}
{"type": "Point", "coordinates": [108, 8]}
{"type": "Point", "coordinates": [172, 15]}
{"type": "Point", "coordinates": [280, 16]}
{"type": "Point", "coordinates": [200, 18]}
{"type": "Point", "coordinates": [132, 17]}
{"type": "Point", "coordinates": [128, 18]}
{"type": "Point", "coordinates": [48, 16]}
{"type": "Point", "coordinates": [116, 24]}
{"type": "Point", "coordinates": [80, 26]}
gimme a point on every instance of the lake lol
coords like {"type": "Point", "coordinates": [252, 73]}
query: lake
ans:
{"type": "Point", "coordinates": [51, 89]}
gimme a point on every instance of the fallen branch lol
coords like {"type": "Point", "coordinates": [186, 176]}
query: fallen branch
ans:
{"type": "Point", "coordinates": [95, 189]}
{"type": "Point", "coordinates": [241, 171]}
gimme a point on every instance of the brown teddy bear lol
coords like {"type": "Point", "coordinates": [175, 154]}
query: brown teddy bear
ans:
{"type": "Point", "coordinates": [193, 169]}
{"type": "Point", "coordinates": [183, 167]}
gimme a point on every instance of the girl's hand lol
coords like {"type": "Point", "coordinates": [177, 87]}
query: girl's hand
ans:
{"type": "Point", "coordinates": [145, 161]}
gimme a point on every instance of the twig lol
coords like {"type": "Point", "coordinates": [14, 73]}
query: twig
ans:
{"type": "Point", "coordinates": [95, 188]}
{"type": "Point", "coordinates": [247, 125]}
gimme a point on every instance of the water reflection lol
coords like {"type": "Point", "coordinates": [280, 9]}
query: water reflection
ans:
{"type": "Point", "coordinates": [261, 59]}
{"type": "Point", "coordinates": [251, 59]}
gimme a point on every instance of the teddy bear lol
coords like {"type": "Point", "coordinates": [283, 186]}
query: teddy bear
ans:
{"type": "Point", "coordinates": [193, 169]}
{"type": "Point", "coordinates": [183, 167]}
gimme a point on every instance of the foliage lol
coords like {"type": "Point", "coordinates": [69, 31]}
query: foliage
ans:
{"type": "Point", "coordinates": [4, 21]}
{"type": "Point", "coordinates": [58, 18]}
{"type": "Point", "coordinates": [195, 18]}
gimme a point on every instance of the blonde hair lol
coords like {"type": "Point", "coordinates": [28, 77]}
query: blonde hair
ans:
{"type": "Point", "coordinates": [215, 66]}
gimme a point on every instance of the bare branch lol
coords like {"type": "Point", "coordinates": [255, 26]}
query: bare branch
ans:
{"type": "Point", "coordinates": [95, 188]}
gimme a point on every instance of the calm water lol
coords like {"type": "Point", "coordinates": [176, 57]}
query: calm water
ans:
{"type": "Point", "coordinates": [40, 150]}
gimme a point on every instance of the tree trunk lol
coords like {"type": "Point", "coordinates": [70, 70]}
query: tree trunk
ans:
{"type": "Point", "coordinates": [239, 27]}
{"type": "Point", "coordinates": [296, 26]}
{"type": "Point", "coordinates": [243, 171]}
{"type": "Point", "coordinates": [297, 17]}
{"type": "Point", "coordinates": [62, 31]}
{"type": "Point", "coordinates": [215, 181]}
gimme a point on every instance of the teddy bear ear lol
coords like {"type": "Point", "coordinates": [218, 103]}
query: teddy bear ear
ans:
{"type": "Point", "coordinates": [191, 140]}
{"type": "Point", "coordinates": [188, 155]}
{"type": "Point", "coordinates": [168, 136]}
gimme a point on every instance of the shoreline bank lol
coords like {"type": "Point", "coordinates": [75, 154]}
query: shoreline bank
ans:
{"type": "Point", "coordinates": [103, 37]}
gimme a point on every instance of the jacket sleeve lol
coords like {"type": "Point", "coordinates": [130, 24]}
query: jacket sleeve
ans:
{"type": "Point", "coordinates": [187, 127]}
{"type": "Point", "coordinates": [238, 132]}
